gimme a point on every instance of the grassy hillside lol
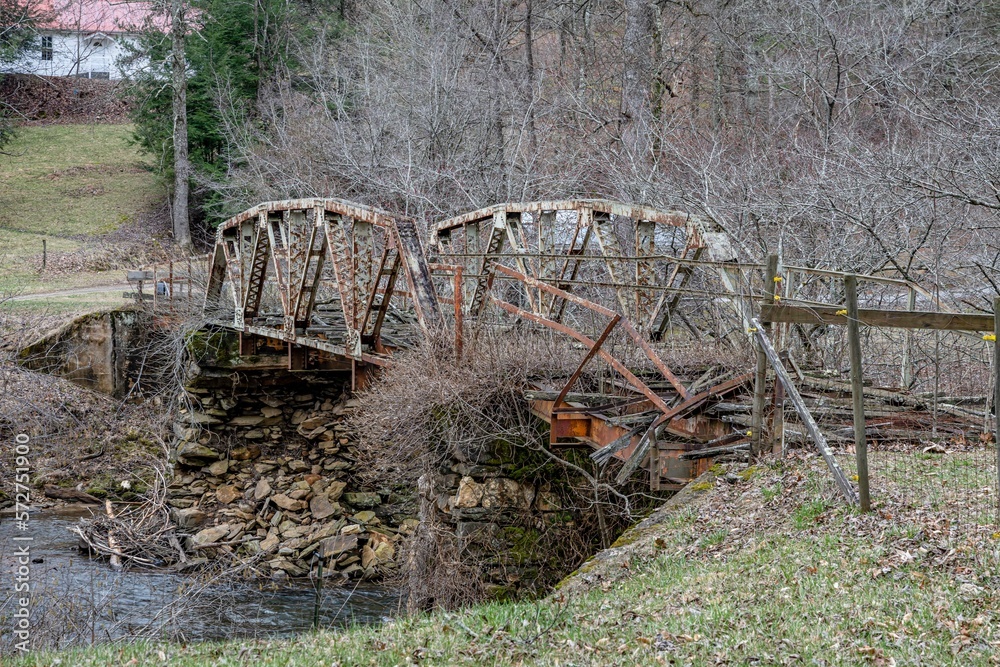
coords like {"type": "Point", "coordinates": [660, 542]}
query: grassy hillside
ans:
{"type": "Point", "coordinates": [760, 566]}
{"type": "Point", "coordinates": [83, 188]}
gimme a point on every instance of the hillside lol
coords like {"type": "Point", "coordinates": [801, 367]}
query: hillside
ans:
{"type": "Point", "coordinates": [87, 192]}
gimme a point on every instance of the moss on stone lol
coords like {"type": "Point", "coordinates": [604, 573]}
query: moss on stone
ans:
{"type": "Point", "coordinates": [219, 347]}
{"type": "Point", "coordinates": [522, 543]}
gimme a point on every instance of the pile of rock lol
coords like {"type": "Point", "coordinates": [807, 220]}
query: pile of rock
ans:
{"type": "Point", "coordinates": [269, 475]}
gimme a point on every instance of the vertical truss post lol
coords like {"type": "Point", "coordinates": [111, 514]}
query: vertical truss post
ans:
{"type": "Point", "coordinates": [216, 276]}
{"type": "Point", "coordinates": [459, 337]}
{"type": "Point", "coordinates": [515, 236]}
{"type": "Point", "coordinates": [307, 282]}
{"type": "Point", "coordinates": [418, 275]}
{"type": "Point", "coordinates": [277, 235]}
{"type": "Point", "coordinates": [298, 259]}
{"type": "Point", "coordinates": [572, 262]}
{"type": "Point", "coordinates": [485, 278]}
{"type": "Point", "coordinates": [343, 270]}
{"type": "Point", "coordinates": [374, 313]}
{"type": "Point", "coordinates": [364, 261]}
{"type": "Point", "coordinates": [471, 248]}
{"type": "Point", "coordinates": [645, 273]}
{"type": "Point", "coordinates": [616, 266]}
{"type": "Point", "coordinates": [254, 284]}
{"type": "Point", "coordinates": [667, 303]}
{"type": "Point", "coordinates": [547, 262]}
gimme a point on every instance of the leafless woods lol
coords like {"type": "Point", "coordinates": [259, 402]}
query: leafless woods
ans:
{"type": "Point", "coordinates": [853, 135]}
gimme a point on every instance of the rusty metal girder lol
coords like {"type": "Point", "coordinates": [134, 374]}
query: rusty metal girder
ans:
{"type": "Point", "coordinates": [535, 253]}
{"type": "Point", "coordinates": [696, 430]}
{"type": "Point", "coordinates": [305, 246]}
{"type": "Point", "coordinates": [601, 310]}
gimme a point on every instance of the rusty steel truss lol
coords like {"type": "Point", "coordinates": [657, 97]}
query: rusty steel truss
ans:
{"type": "Point", "coordinates": [333, 270]}
{"type": "Point", "coordinates": [336, 285]}
{"type": "Point", "coordinates": [641, 257]}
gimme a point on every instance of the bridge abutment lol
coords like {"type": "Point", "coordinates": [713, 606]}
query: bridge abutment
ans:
{"type": "Point", "coordinates": [267, 468]}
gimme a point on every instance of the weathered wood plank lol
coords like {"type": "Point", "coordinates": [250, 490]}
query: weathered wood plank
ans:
{"type": "Point", "coordinates": [893, 319]}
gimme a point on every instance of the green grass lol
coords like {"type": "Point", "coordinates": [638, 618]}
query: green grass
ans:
{"type": "Point", "coordinates": [809, 513]}
{"type": "Point", "coordinates": [67, 184]}
{"type": "Point", "coordinates": [68, 304]}
{"type": "Point", "coordinates": [69, 180]}
{"type": "Point", "coordinates": [734, 582]}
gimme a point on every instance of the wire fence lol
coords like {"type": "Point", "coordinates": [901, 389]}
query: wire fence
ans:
{"type": "Point", "coordinates": [929, 413]}
{"type": "Point", "coordinates": [931, 450]}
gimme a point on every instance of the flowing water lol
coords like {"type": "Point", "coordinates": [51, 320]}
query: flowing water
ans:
{"type": "Point", "coordinates": [76, 599]}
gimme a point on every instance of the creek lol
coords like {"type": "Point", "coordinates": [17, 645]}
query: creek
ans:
{"type": "Point", "coordinates": [80, 600]}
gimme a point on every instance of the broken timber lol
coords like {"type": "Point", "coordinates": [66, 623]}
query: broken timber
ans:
{"type": "Point", "coordinates": [800, 407]}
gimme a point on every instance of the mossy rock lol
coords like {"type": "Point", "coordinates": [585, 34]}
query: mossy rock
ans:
{"type": "Point", "coordinates": [218, 347]}
{"type": "Point", "coordinates": [522, 543]}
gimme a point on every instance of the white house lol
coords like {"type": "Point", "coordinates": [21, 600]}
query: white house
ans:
{"type": "Point", "coordinates": [85, 38]}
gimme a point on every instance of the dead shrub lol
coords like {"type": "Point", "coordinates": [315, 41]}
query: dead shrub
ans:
{"type": "Point", "coordinates": [427, 408]}
{"type": "Point", "coordinates": [428, 412]}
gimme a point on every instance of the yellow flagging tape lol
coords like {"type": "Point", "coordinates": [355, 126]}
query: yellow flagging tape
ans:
{"type": "Point", "coordinates": [842, 311]}
{"type": "Point", "coordinates": [749, 434]}
{"type": "Point", "coordinates": [992, 337]}
{"type": "Point", "coordinates": [778, 279]}
{"type": "Point", "coordinates": [777, 297]}
{"type": "Point", "coordinates": [752, 330]}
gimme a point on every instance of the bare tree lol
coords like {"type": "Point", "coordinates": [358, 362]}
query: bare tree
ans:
{"type": "Point", "coordinates": [846, 135]}
{"type": "Point", "coordinates": [182, 166]}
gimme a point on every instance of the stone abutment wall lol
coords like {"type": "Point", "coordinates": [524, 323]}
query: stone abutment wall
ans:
{"type": "Point", "coordinates": [267, 468]}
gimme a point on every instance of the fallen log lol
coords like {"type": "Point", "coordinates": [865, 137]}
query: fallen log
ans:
{"type": "Point", "coordinates": [59, 493]}
{"type": "Point", "coordinates": [714, 451]}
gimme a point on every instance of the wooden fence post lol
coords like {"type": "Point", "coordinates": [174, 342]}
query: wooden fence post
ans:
{"type": "Point", "coordinates": [760, 380]}
{"type": "Point", "coordinates": [906, 376]}
{"type": "Point", "coordinates": [996, 390]}
{"type": "Point", "coordinates": [857, 389]}
{"type": "Point", "coordinates": [804, 415]}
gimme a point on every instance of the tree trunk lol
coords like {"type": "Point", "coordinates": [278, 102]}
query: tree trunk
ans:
{"type": "Point", "coordinates": [637, 73]}
{"type": "Point", "coordinates": [182, 168]}
{"type": "Point", "coordinates": [529, 57]}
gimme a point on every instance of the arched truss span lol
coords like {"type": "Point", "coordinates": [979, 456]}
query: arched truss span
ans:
{"type": "Point", "coordinates": [635, 260]}
{"type": "Point", "coordinates": [331, 269]}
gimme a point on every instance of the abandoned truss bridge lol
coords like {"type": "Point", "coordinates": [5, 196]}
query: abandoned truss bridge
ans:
{"type": "Point", "coordinates": [323, 284]}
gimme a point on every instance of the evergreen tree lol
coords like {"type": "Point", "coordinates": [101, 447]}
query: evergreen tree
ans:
{"type": "Point", "coordinates": [17, 34]}
{"type": "Point", "coordinates": [233, 47]}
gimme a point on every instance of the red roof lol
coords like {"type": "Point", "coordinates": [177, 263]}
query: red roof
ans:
{"type": "Point", "coordinates": [107, 16]}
